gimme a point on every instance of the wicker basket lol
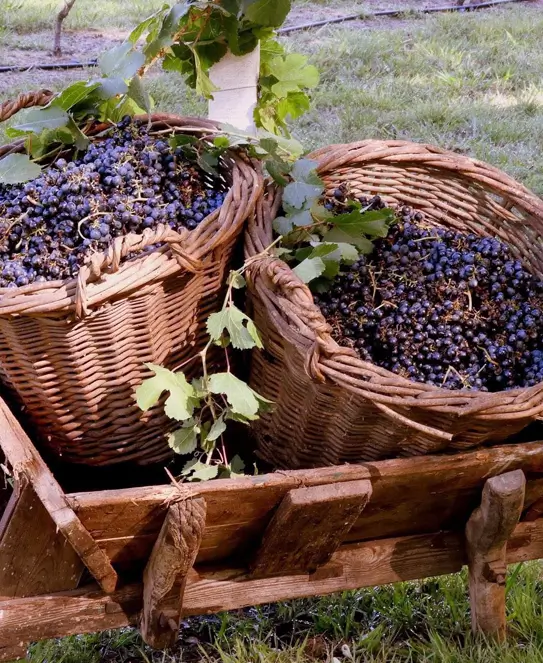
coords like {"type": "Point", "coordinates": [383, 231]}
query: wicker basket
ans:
{"type": "Point", "coordinates": [332, 407]}
{"type": "Point", "coordinates": [74, 351]}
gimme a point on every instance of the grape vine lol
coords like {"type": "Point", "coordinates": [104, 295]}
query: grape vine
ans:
{"type": "Point", "coordinates": [187, 37]}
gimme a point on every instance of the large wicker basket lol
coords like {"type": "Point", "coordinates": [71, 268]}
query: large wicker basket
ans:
{"type": "Point", "coordinates": [332, 407]}
{"type": "Point", "coordinates": [74, 351]}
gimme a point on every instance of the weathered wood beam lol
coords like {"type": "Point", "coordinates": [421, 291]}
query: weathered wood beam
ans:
{"type": "Point", "coordinates": [208, 591]}
{"type": "Point", "coordinates": [410, 495]}
{"type": "Point", "coordinates": [34, 558]}
{"type": "Point", "coordinates": [26, 462]}
{"type": "Point", "coordinates": [487, 533]}
{"type": "Point", "coordinates": [13, 652]}
{"type": "Point", "coordinates": [309, 525]}
{"type": "Point", "coordinates": [166, 572]}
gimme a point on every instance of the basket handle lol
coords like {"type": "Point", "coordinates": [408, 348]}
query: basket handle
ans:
{"type": "Point", "coordinates": [24, 100]}
{"type": "Point", "coordinates": [110, 259]}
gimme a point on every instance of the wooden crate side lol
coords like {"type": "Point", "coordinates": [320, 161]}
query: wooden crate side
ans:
{"type": "Point", "coordinates": [410, 496]}
{"type": "Point", "coordinates": [27, 464]}
{"type": "Point", "coordinates": [34, 557]}
{"type": "Point", "coordinates": [364, 564]}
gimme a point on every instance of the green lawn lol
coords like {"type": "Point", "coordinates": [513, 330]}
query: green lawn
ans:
{"type": "Point", "coordinates": [424, 622]}
{"type": "Point", "coordinates": [471, 83]}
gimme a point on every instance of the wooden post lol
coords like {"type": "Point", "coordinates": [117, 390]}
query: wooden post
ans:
{"type": "Point", "coordinates": [487, 533]}
{"type": "Point", "coordinates": [237, 80]}
{"type": "Point", "coordinates": [308, 527]}
{"type": "Point", "coordinates": [166, 572]}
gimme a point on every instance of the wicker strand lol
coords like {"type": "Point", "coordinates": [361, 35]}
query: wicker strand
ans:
{"type": "Point", "coordinates": [24, 100]}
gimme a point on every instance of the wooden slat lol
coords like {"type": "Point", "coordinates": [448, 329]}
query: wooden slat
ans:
{"type": "Point", "coordinates": [166, 572]}
{"type": "Point", "coordinates": [355, 565]}
{"type": "Point", "coordinates": [26, 462]}
{"type": "Point", "coordinates": [34, 558]}
{"type": "Point", "coordinates": [13, 653]}
{"type": "Point", "coordinates": [308, 527]}
{"type": "Point", "coordinates": [413, 495]}
{"type": "Point", "coordinates": [487, 533]}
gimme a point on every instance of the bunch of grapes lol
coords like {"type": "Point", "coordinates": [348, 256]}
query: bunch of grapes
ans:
{"type": "Point", "coordinates": [433, 305]}
{"type": "Point", "coordinates": [123, 184]}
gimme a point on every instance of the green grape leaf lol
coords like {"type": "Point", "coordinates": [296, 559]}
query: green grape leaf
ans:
{"type": "Point", "coordinates": [211, 53]}
{"type": "Point", "coordinates": [236, 280]}
{"type": "Point", "coordinates": [195, 470]}
{"type": "Point", "coordinates": [137, 93]}
{"type": "Point", "coordinates": [160, 39]}
{"type": "Point", "coordinates": [331, 268]}
{"type": "Point", "coordinates": [17, 168]}
{"type": "Point", "coordinates": [147, 25]}
{"type": "Point", "coordinates": [242, 334]}
{"type": "Point", "coordinates": [200, 391]}
{"type": "Point", "coordinates": [36, 119]}
{"type": "Point", "coordinates": [374, 224]}
{"type": "Point", "coordinates": [217, 429]}
{"type": "Point", "coordinates": [323, 249]}
{"type": "Point", "coordinates": [293, 73]}
{"type": "Point", "coordinates": [277, 168]}
{"type": "Point", "coordinates": [320, 213]}
{"type": "Point", "coordinates": [222, 142]}
{"type": "Point", "coordinates": [111, 87]}
{"type": "Point", "coordinates": [270, 13]}
{"type": "Point", "coordinates": [241, 398]}
{"type": "Point", "coordinates": [299, 194]}
{"type": "Point", "coordinates": [184, 440]}
{"type": "Point", "coordinates": [282, 225]}
{"type": "Point", "coordinates": [293, 105]}
{"type": "Point", "coordinates": [122, 61]}
{"type": "Point", "coordinates": [302, 218]}
{"type": "Point", "coordinates": [78, 137]}
{"type": "Point", "coordinates": [180, 403]}
{"type": "Point", "coordinates": [203, 84]}
{"type": "Point", "coordinates": [74, 94]}
{"type": "Point", "coordinates": [234, 469]}
{"type": "Point", "coordinates": [305, 170]}
{"type": "Point", "coordinates": [40, 144]}
{"type": "Point", "coordinates": [309, 269]}
{"type": "Point", "coordinates": [340, 236]}
{"type": "Point", "coordinates": [231, 6]}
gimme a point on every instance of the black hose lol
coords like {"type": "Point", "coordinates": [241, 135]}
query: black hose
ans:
{"type": "Point", "coordinates": [395, 12]}
{"type": "Point", "coordinates": [60, 65]}
{"type": "Point", "coordinates": [292, 28]}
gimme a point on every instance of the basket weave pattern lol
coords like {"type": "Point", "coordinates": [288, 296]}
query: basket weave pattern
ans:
{"type": "Point", "coordinates": [332, 407]}
{"type": "Point", "coordinates": [74, 351]}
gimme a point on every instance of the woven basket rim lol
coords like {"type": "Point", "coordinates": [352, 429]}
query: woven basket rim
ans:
{"type": "Point", "coordinates": [106, 277]}
{"type": "Point", "coordinates": [290, 305]}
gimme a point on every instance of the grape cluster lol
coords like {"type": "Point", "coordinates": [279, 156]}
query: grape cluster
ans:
{"type": "Point", "coordinates": [433, 305]}
{"type": "Point", "coordinates": [125, 183]}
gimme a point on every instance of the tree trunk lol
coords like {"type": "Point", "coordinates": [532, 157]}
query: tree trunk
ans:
{"type": "Point", "coordinates": [68, 4]}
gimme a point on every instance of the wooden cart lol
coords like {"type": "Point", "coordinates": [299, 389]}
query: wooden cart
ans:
{"type": "Point", "coordinates": [83, 562]}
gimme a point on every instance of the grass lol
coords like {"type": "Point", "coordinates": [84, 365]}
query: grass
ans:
{"type": "Point", "coordinates": [425, 622]}
{"type": "Point", "coordinates": [470, 83]}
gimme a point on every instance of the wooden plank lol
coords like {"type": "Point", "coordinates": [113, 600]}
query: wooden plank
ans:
{"type": "Point", "coordinates": [68, 613]}
{"type": "Point", "coordinates": [356, 565]}
{"type": "Point", "coordinates": [309, 525]}
{"type": "Point", "coordinates": [410, 496]}
{"type": "Point", "coordinates": [25, 461]}
{"type": "Point", "coordinates": [533, 502]}
{"type": "Point", "coordinates": [13, 653]}
{"type": "Point", "coordinates": [487, 533]}
{"type": "Point", "coordinates": [34, 558]}
{"type": "Point", "coordinates": [166, 572]}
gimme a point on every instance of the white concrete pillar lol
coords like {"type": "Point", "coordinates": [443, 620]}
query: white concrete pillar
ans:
{"type": "Point", "coordinates": [235, 100]}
